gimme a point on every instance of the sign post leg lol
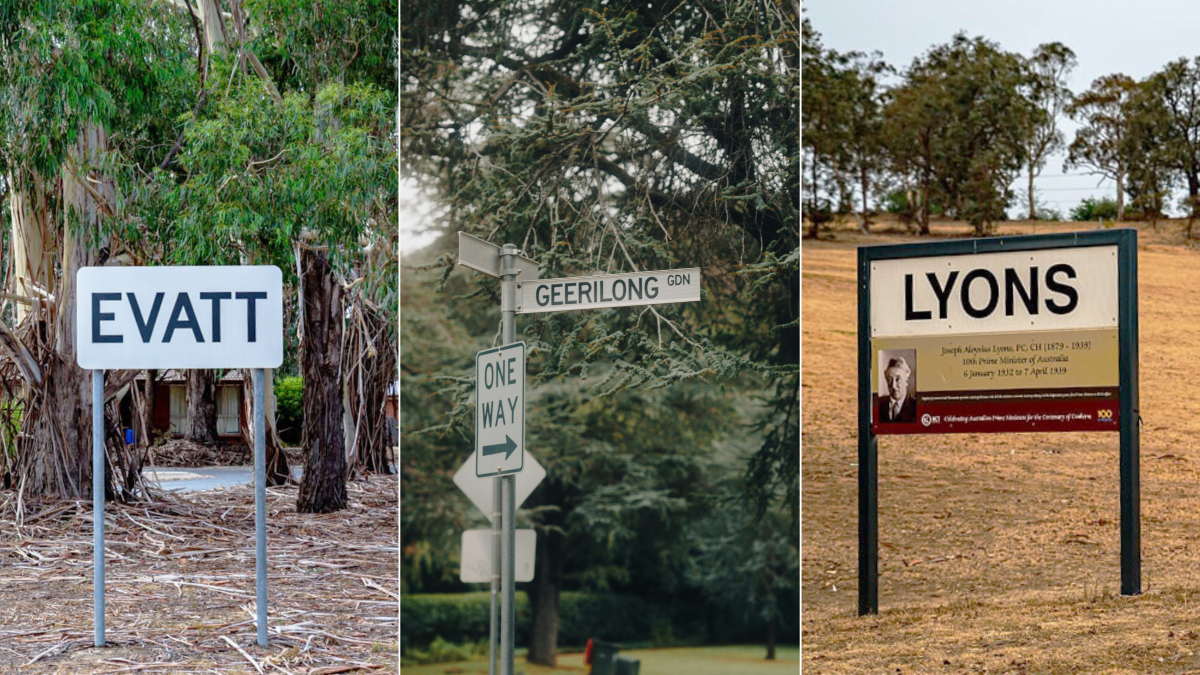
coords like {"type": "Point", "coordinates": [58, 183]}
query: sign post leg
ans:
{"type": "Point", "coordinates": [508, 623]}
{"type": "Point", "coordinates": [493, 625]}
{"type": "Point", "coordinates": [260, 503]}
{"type": "Point", "coordinates": [98, 503]}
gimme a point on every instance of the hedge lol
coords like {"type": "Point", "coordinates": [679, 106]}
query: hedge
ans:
{"type": "Point", "coordinates": [463, 618]}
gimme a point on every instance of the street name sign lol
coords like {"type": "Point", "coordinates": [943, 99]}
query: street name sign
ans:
{"type": "Point", "coordinates": [475, 564]}
{"type": "Point", "coordinates": [481, 491]}
{"type": "Point", "coordinates": [609, 290]}
{"type": "Point", "coordinates": [483, 256]}
{"type": "Point", "coordinates": [179, 317]}
{"type": "Point", "coordinates": [500, 410]}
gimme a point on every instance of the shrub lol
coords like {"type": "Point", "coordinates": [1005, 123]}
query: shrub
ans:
{"type": "Point", "coordinates": [444, 651]}
{"type": "Point", "coordinates": [289, 397]}
{"type": "Point", "coordinates": [1091, 208]}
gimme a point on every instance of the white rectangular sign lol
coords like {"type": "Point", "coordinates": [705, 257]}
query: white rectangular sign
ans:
{"type": "Point", "coordinates": [179, 317]}
{"type": "Point", "coordinates": [1046, 289]}
{"type": "Point", "coordinates": [500, 410]}
{"type": "Point", "coordinates": [609, 290]}
{"type": "Point", "coordinates": [475, 565]}
{"type": "Point", "coordinates": [481, 491]}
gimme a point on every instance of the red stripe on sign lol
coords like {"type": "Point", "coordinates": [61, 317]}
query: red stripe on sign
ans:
{"type": "Point", "coordinates": [1089, 412]}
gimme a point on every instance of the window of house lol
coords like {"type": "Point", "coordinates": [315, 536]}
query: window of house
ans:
{"type": "Point", "coordinates": [228, 407]}
{"type": "Point", "coordinates": [178, 408]}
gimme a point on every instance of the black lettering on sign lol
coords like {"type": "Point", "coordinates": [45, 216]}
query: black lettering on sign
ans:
{"type": "Point", "coordinates": [512, 407]}
{"type": "Point", "coordinates": [216, 298]}
{"type": "Point", "coordinates": [635, 288]}
{"type": "Point", "coordinates": [602, 298]}
{"type": "Point", "coordinates": [909, 313]}
{"type": "Point", "coordinates": [183, 305]}
{"type": "Point", "coordinates": [250, 297]}
{"type": "Point", "coordinates": [1058, 287]}
{"type": "Point", "coordinates": [993, 293]}
{"type": "Point", "coordinates": [146, 327]}
{"type": "Point", "coordinates": [486, 408]}
{"type": "Point", "coordinates": [585, 289]}
{"type": "Point", "coordinates": [1012, 283]}
{"type": "Point", "coordinates": [98, 316]}
{"type": "Point", "coordinates": [622, 287]}
{"type": "Point", "coordinates": [942, 293]}
{"type": "Point", "coordinates": [554, 289]}
{"type": "Point", "coordinates": [542, 295]}
{"type": "Point", "coordinates": [568, 289]}
{"type": "Point", "coordinates": [648, 289]}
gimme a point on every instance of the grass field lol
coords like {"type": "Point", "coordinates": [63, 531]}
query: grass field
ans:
{"type": "Point", "coordinates": [1000, 553]}
{"type": "Point", "coordinates": [737, 660]}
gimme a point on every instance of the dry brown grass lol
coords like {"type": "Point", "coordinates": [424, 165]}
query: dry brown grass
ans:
{"type": "Point", "coordinates": [1000, 553]}
{"type": "Point", "coordinates": [180, 576]}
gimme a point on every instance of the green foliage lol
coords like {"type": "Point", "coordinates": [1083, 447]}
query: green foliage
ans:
{"type": "Point", "coordinates": [1090, 208]}
{"type": "Point", "coordinates": [448, 620]}
{"type": "Point", "coordinates": [289, 398]}
{"type": "Point", "coordinates": [443, 651]}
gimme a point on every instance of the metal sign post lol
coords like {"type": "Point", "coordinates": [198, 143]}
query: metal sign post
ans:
{"type": "Point", "coordinates": [521, 292]}
{"type": "Point", "coordinates": [179, 317]}
{"type": "Point", "coordinates": [260, 502]}
{"type": "Point", "coordinates": [98, 504]}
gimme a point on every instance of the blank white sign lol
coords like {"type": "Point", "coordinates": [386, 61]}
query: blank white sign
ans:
{"type": "Point", "coordinates": [179, 317]}
{"type": "Point", "coordinates": [476, 563]}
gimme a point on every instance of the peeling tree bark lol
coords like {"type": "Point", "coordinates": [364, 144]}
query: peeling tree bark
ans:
{"type": "Point", "coordinates": [201, 424]}
{"type": "Point", "coordinates": [323, 486]}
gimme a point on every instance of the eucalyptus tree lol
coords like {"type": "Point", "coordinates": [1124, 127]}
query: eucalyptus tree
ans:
{"type": "Point", "coordinates": [958, 123]}
{"type": "Point", "coordinates": [82, 85]}
{"type": "Point", "coordinates": [1099, 146]}
{"type": "Point", "coordinates": [1050, 65]}
{"type": "Point", "coordinates": [617, 136]}
{"type": "Point", "coordinates": [293, 169]}
{"type": "Point", "coordinates": [1176, 89]}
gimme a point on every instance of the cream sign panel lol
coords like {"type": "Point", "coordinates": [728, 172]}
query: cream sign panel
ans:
{"type": "Point", "coordinates": [179, 317]}
{"type": "Point", "coordinates": [1049, 289]}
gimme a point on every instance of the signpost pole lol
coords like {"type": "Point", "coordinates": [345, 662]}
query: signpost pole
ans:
{"type": "Point", "coordinates": [1130, 418]}
{"type": "Point", "coordinates": [98, 503]}
{"type": "Point", "coordinates": [260, 502]}
{"type": "Point", "coordinates": [494, 624]}
{"type": "Point", "coordinates": [508, 335]}
{"type": "Point", "coordinates": [868, 455]}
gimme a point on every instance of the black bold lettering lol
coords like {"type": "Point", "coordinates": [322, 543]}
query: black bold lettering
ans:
{"type": "Point", "coordinates": [98, 316]}
{"type": "Point", "coordinates": [909, 314]}
{"type": "Point", "coordinates": [216, 298]}
{"type": "Point", "coordinates": [511, 371]}
{"type": "Point", "coordinates": [942, 294]}
{"type": "Point", "coordinates": [1013, 282]}
{"type": "Point", "coordinates": [601, 295]}
{"type": "Point", "coordinates": [1054, 285]}
{"type": "Point", "coordinates": [635, 288]}
{"type": "Point", "coordinates": [146, 328]}
{"type": "Point", "coordinates": [554, 289]}
{"type": "Point", "coordinates": [183, 305]}
{"type": "Point", "coordinates": [569, 288]}
{"type": "Point", "coordinates": [251, 318]}
{"type": "Point", "coordinates": [541, 295]}
{"type": "Point", "coordinates": [622, 287]}
{"type": "Point", "coordinates": [648, 289]}
{"type": "Point", "coordinates": [585, 288]}
{"type": "Point", "coordinates": [993, 298]}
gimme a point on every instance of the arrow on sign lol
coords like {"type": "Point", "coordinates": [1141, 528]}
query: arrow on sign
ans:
{"type": "Point", "coordinates": [506, 447]}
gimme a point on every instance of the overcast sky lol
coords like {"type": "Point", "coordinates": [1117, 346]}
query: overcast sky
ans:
{"type": "Point", "coordinates": [1107, 36]}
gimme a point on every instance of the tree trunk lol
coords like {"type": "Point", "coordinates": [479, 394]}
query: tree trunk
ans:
{"type": "Point", "coordinates": [365, 390]}
{"type": "Point", "coordinates": [1120, 192]}
{"type": "Point", "coordinates": [772, 620]}
{"type": "Point", "coordinates": [865, 180]}
{"type": "Point", "coordinates": [55, 448]}
{"type": "Point", "coordinates": [323, 486]}
{"type": "Point", "coordinates": [32, 241]}
{"type": "Point", "coordinates": [147, 412]}
{"type": "Point", "coordinates": [201, 425]}
{"type": "Point", "coordinates": [278, 471]}
{"type": "Point", "coordinates": [1032, 201]}
{"type": "Point", "coordinates": [544, 596]}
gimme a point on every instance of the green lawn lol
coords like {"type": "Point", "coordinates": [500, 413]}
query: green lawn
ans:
{"type": "Point", "coordinates": [739, 660]}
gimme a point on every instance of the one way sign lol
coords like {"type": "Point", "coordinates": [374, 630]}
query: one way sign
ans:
{"type": "Point", "coordinates": [500, 410]}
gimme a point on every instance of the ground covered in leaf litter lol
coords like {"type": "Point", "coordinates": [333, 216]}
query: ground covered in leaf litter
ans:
{"type": "Point", "coordinates": [1000, 553]}
{"type": "Point", "coordinates": [180, 585]}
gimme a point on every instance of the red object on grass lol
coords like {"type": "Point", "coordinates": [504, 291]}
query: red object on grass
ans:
{"type": "Point", "coordinates": [587, 653]}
